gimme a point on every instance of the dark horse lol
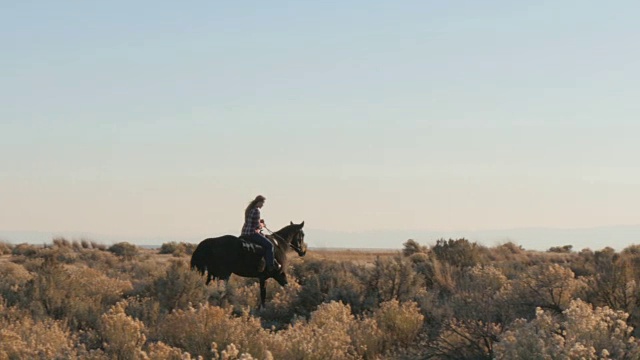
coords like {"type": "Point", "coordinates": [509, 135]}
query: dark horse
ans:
{"type": "Point", "coordinates": [224, 255]}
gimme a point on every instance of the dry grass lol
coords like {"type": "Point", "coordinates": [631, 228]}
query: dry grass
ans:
{"type": "Point", "coordinates": [357, 256]}
{"type": "Point", "coordinates": [83, 300]}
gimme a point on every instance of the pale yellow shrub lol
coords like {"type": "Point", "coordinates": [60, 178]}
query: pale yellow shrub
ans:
{"type": "Point", "coordinates": [194, 329]}
{"type": "Point", "coordinates": [13, 279]}
{"type": "Point", "coordinates": [232, 352]}
{"type": "Point", "coordinates": [546, 286]}
{"type": "Point", "coordinates": [179, 287]}
{"type": "Point", "coordinates": [281, 305]}
{"type": "Point", "coordinates": [583, 333]}
{"type": "Point", "coordinates": [247, 296]}
{"type": "Point", "coordinates": [399, 322]}
{"type": "Point", "coordinates": [23, 338]}
{"type": "Point", "coordinates": [332, 332]}
{"type": "Point", "coordinates": [123, 336]}
{"type": "Point", "coordinates": [145, 309]}
{"type": "Point", "coordinates": [77, 294]}
{"type": "Point", "coordinates": [479, 295]}
{"type": "Point", "coordinates": [162, 351]}
{"type": "Point", "coordinates": [366, 337]}
{"type": "Point", "coordinates": [5, 248]}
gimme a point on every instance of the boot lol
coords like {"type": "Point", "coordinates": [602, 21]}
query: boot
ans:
{"type": "Point", "coordinates": [273, 267]}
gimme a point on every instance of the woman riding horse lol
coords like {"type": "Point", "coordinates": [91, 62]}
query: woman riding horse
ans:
{"type": "Point", "coordinates": [225, 255]}
{"type": "Point", "coordinates": [251, 231]}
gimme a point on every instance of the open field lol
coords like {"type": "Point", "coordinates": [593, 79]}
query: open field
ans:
{"type": "Point", "coordinates": [358, 256]}
{"type": "Point", "coordinates": [453, 300]}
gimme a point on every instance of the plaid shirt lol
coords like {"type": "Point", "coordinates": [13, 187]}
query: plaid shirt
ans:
{"type": "Point", "coordinates": [251, 222]}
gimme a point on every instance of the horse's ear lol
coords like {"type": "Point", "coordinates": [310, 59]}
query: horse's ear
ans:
{"type": "Point", "coordinates": [302, 224]}
{"type": "Point", "coordinates": [291, 222]}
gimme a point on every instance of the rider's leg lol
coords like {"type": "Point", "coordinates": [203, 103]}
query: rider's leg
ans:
{"type": "Point", "coordinates": [268, 249]}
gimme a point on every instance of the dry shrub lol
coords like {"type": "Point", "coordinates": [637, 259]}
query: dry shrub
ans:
{"type": "Point", "coordinates": [78, 295]}
{"type": "Point", "coordinates": [466, 339]}
{"type": "Point", "coordinates": [366, 337]}
{"type": "Point", "coordinates": [61, 243]}
{"type": "Point", "coordinates": [13, 280]}
{"type": "Point", "coordinates": [99, 259]}
{"type": "Point", "coordinates": [349, 286]}
{"type": "Point", "coordinates": [160, 350]}
{"type": "Point", "coordinates": [280, 306]}
{"type": "Point", "coordinates": [438, 275]}
{"type": "Point", "coordinates": [411, 247]}
{"type": "Point", "coordinates": [248, 296]}
{"type": "Point", "coordinates": [62, 254]}
{"type": "Point", "coordinates": [399, 322]}
{"type": "Point", "coordinates": [582, 333]}
{"type": "Point", "coordinates": [194, 329]}
{"type": "Point", "coordinates": [124, 249]}
{"type": "Point", "coordinates": [324, 336]}
{"type": "Point", "coordinates": [395, 278]}
{"type": "Point", "coordinates": [5, 248]}
{"type": "Point", "coordinates": [232, 352]}
{"type": "Point", "coordinates": [177, 249]}
{"type": "Point", "coordinates": [547, 286]}
{"type": "Point", "coordinates": [23, 338]}
{"type": "Point", "coordinates": [479, 295]}
{"type": "Point", "coordinates": [459, 253]}
{"type": "Point", "coordinates": [332, 332]}
{"type": "Point", "coordinates": [317, 279]}
{"type": "Point", "coordinates": [238, 292]}
{"type": "Point", "coordinates": [145, 309]}
{"type": "Point", "coordinates": [24, 249]}
{"type": "Point", "coordinates": [179, 287]}
{"type": "Point", "coordinates": [123, 336]}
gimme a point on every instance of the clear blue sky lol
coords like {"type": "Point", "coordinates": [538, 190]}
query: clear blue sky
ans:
{"type": "Point", "coordinates": [165, 118]}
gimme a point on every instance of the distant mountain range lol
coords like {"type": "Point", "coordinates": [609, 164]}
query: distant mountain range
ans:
{"type": "Point", "coordinates": [595, 238]}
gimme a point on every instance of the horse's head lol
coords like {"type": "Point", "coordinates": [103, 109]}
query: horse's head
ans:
{"type": "Point", "coordinates": [297, 242]}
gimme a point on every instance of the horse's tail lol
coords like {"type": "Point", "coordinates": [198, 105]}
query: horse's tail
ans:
{"type": "Point", "coordinates": [199, 259]}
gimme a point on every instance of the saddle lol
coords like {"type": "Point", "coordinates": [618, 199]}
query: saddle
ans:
{"type": "Point", "coordinates": [253, 249]}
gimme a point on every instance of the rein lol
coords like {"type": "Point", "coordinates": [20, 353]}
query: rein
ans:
{"type": "Point", "coordinates": [280, 237]}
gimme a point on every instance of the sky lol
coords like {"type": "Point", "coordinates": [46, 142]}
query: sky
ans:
{"type": "Point", "coordinates": [156, 118]}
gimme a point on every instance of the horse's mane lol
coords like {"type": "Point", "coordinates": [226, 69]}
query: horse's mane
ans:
{"type": "Point", "coordinates": [283, 236]}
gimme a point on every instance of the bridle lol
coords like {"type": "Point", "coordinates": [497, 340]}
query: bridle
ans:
{"type": "Point", "coordinates": [297, 249]}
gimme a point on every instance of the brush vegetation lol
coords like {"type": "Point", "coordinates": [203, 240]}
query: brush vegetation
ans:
{"type": "Point", "coordinates": [453, 300]}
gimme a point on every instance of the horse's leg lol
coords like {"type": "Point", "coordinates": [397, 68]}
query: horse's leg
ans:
{"type": "Point", "coordinates": [263, 291]}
